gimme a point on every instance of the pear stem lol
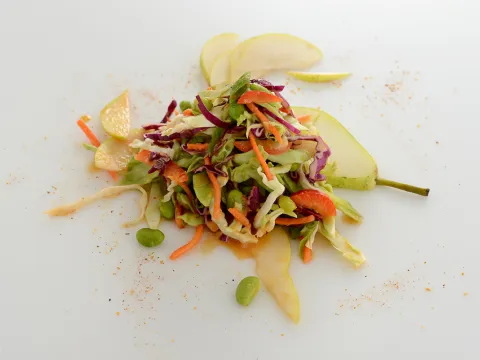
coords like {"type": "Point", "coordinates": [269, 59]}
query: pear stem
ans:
{"type": "Point", "coordinates": [404, 187]}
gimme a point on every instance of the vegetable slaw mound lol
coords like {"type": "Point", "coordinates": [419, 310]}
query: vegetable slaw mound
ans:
{"type": "Point", "coordinates": [237, 161]}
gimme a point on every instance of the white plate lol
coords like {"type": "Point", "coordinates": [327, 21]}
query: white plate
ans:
{"type": "Point", "coordinates": [412, 101]}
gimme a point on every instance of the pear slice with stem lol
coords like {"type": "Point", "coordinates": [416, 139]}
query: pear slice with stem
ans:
{"type": "Point", "coordinates": [215, 47]}
{"type": "Point", "coordinates": [267, 52]}
{"type": "Point", "coordinates": [354, 168]}
{"type": "Point", "coordinates": [318, 77]}
{"type": "Point", "coordinates": [272, 255]}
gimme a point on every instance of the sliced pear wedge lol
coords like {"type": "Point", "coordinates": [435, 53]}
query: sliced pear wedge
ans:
{"type": "Point", "coordinates": [220, 73]}
{"type": "Point", "coordinates": [317, 77]}
{"type": "Point", "coordinates": [354, 168]}
{"type": "Point", "coordinates": [114, 154]}
{"type": "Point", "coordinates": [115, 117]}
{"type": "Point", "coordinates": [213, 48]}
{"type": "Point", "coordinates": [272, 255]}
{"type": "Point", "coordinates": [268, 52]}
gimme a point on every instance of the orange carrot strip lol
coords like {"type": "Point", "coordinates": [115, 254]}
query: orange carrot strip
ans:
{"type": "Point", "coordinates": [293, 221]}
{"type": "Point", "coordinates": [188, 112]}
{"type": "Point", "coordinates": [143, 156]}
{"type": "Point", "coordinates": [209, 88]}
{"type": "Point", "coordinates": [307, 255]}
{"type": "Point", "coordinates": [175, 172]}
{"type": "Point", "coordinates": [242, 219]}
{"type": "Point", "coordinates": [179, 212]}
{"type": "Point", "coordinates": [304, 118]}
{"type": "Point", "coordinates": [176, 112]}
{"type": "Point", "coordinates": [260, 158]}
{"type": "Point", "coordinates": [89, 133]}
{"type": "Point", "coordinates": [94, 141]}
{"type": "Point", "coordinates": [190, 245]}
{"type": "Point", "coordinates": [113, 174]}
{"type": "Point", "coordinates": [217, 194]}
{"type": "Point", "coordinates": [266, 123]}
{"type": "Point", "coordinates": [259, 97]}
{"type": "Point", "coordinates": [187, 191]}
{"type": "Point", "coordinates": [197, 147]}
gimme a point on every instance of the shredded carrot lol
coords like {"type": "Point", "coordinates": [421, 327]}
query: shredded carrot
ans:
{"type": "Point", "coordinates": [260, 158]}
{"type": "Point", "coordinates": [94, 141]}
{"type": "Point", "coordinates": [190, 245]}
{"type": "Point", "coordinates": [259, 97]}
{"type": "Point", "coordinates": [217, 194]}
{"type": "Point", "coordinates": [307, 255]}
{"type": "Point", "coordinates": [114, 175]}
{"type": "Point", "coordinates": [293, 221]}
{"type": "Point", "coordinates": [89, 133]}
{"type": "Point", "coordinates": [242, 219]}
{"type": "Point", "coordinates": [175, 172]}
{"type": "Point", "coordinates": [197, 147]}
{"type": "Point", "coordinates": [187, 191]}
{"type": "Point", "coordinates": [304, 118]}
{"type": "Point", "coordinates": [266, 123]}
{"type": "Point", "coordinates": [209, 88]}
{"type": "Point", "coordinates": [143, 156]}
{"type": "Point", "coordinates": [176, 112]}
{"type": "Point", "coordinates": [179, 212]}
{"type": "Point", "coordinates": [188, 112]}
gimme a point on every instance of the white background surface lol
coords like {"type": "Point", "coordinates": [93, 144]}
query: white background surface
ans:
{"type": "Point", "coordinates": [63, 280]}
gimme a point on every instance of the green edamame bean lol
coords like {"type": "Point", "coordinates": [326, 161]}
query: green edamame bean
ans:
{"type": "Point", "coordinates": [247, 289]}
{"type": "Point", "coordinates": [286, 204]}
{"type": "Point", "coordinates": [235, 196]}
{"type": "Point", "coordinates": [167, 210]}
{"type": "Point", "coordinates": [150, 237]}
{"type": "Point", "coordinates": [184, 105]}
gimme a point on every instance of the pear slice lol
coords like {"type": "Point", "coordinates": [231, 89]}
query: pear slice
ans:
{"type": "Point", "coordinates": [268, 52]}
{"type": "Point", "coordinates": [317, 77]}
{"type": "Point", "coordinates": [272, 255]}
{"type": "Point", "coordinates": [114, 154]}
{"type": "Point", "coordinates": [115, 117]}
{"type": "Point", "coordinates": [213, 48]}
{"type": "Point", "coordinates": [354, 168]}
{"type": "Point", "coordinates": [220, 73]}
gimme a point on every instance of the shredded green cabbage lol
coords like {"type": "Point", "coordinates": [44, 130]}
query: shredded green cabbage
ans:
{"type": "Point", "coordinates": [104, 193]}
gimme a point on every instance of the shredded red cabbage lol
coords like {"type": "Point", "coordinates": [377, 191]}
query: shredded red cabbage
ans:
{"type": "Point", "coordinates": [285, 123]}
{"type": "Point", "coordinates": [235, 129]}
{"type": "Point", "coordinates": [307, 212]}
{"type": "Point", "coordinates": [258, 132]}
{"type": "Point", "coordinates": [285, 104]}
{"type": "Point", "coordinates": [170, 110]}
{"type": "Point", "coordinates": [268, 85]}
{"type": "Point", "coordinates": [224, 238]}
{"type": "Point", "coordinates": [159, 161]}
{"type": "Point", "coordinates": [153, 126]}
{"type": "Point", "coordinates": [253, 199]}
{"type": "Point", "coordinates": [209, 116]}
{"type": "Point", "coordinates": [216, 169]}
{"type": "Point", "coordinates": [320, 158]}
